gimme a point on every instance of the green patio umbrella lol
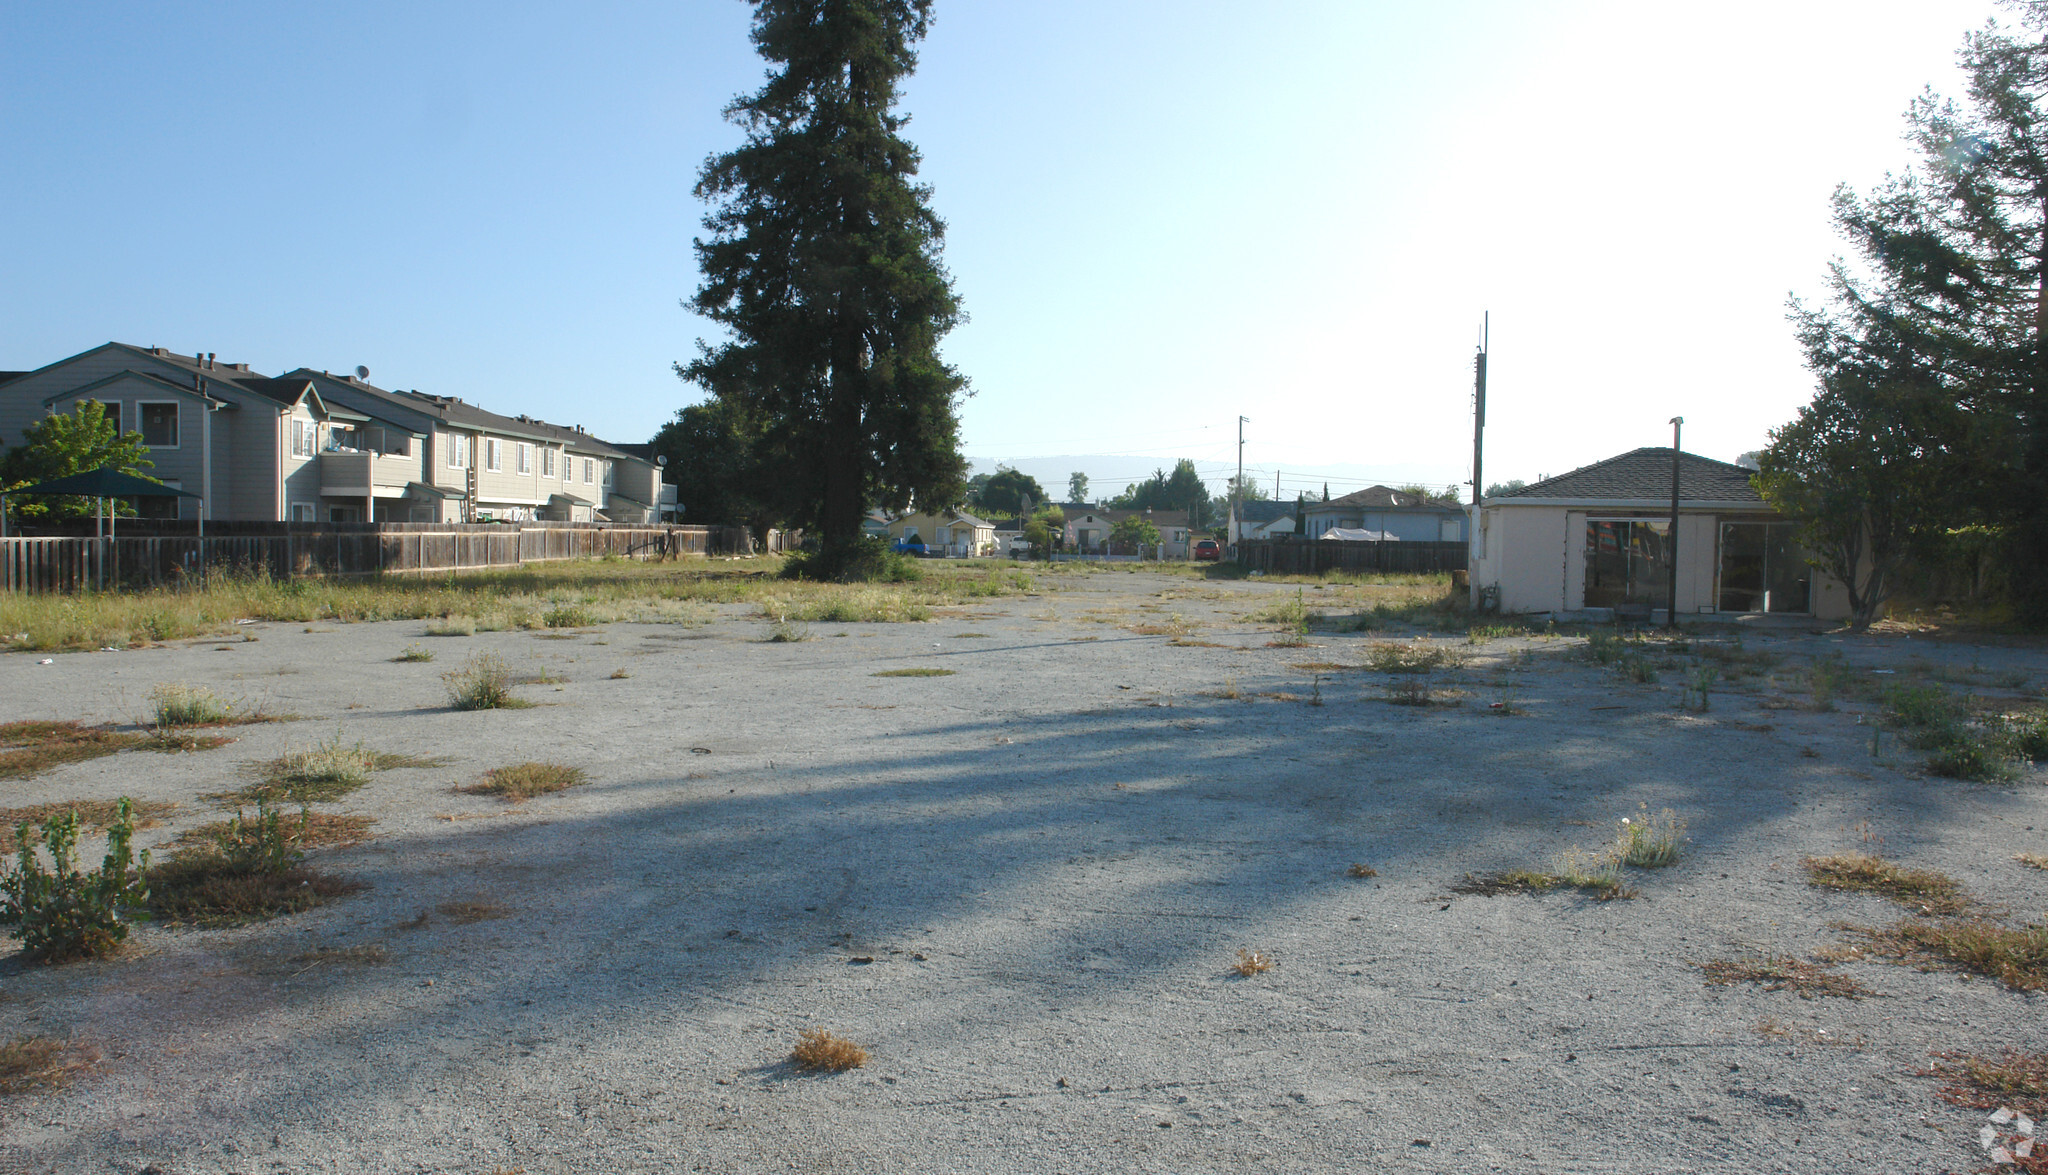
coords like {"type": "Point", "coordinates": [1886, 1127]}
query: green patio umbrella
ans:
{"type": "Point", "coordinates": [103, 483]}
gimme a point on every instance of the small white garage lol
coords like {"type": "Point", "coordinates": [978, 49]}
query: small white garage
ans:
{"type": "Point", "coordinates": [1598, 538]}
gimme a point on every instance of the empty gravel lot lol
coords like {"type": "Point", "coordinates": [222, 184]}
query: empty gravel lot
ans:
{"type": "Point", "coordinates": [1021, 884]}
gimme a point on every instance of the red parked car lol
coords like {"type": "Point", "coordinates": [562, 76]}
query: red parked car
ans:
{"type": "Point", "coordinates": [1208, 549]}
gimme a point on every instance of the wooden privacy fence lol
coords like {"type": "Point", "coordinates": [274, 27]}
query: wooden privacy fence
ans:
{"type": "Point", "coordinates": [67, 564]}
{"type": "Point", "coordinates": [1287, 557]}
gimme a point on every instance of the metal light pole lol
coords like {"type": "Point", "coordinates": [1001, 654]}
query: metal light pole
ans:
{"type": "Point", "coordinates": [1671, 544]}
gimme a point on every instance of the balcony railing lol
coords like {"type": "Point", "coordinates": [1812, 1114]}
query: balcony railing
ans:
{"type": "Point", "coordinates": [346, 473]}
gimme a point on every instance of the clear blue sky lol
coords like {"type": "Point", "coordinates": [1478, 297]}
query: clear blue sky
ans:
{"type": "Point", "coordinates": [1163, 215]}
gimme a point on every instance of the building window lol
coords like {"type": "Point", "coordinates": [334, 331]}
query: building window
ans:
{"type": "Point", "coordinates": [491, 454]}
{"type": "Point", "coordinates": [1625, 563]}
{"type": "Point", "coordinates": [588, 471]}
{"type": "Point", "coordinates": [547, 462]}
{"type": "Point", "coordinates": [159, 425]}
{"type": "Point", "coordinates": [458, 450]}
{"type": "Point", "coordinates": [525, 457]}
{"type": "Point", "coordinates": [302, 511]}
{"type": "Point", "coordinates": [304, 438]}
{"type": "Point", "coordinates": [607, 473]}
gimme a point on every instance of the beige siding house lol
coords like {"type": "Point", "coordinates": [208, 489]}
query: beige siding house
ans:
{"type": "Point", "coordinates": [1594, 542]}
{"type": "Point", "coordinates": [949, 531]}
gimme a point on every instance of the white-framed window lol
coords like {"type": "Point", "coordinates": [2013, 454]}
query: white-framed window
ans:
{"type": "Point", "coordinates": [305, 438]}
{"type": "Point", "coordinates": [607, 467]}
{"type": "Point", "coordinates": [302, 511]}
{"type": "Point", "coordinates": [458, 450]}
{"type": "Point", "coordinates": [491, 448]}
{"type": "Point", "coordinates": [589, 470]}
{"type": "Point", "coordinates": [159, 424]}
{"type": "Point", "coordinates": [547, 462]}
{"type": "Point", "coordinates": [525, 457]}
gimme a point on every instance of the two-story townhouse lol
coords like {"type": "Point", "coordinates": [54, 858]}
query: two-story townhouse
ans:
{"type": "Point", "coordinates": [314, 446]}
{"type": "Point", "coordinates": [246, 443]}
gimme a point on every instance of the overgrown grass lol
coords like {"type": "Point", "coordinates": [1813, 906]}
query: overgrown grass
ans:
{"type": "Point", "coordinates": [187, 705]}
{"type": "Point", "coordinates": [32, 747]}
{"type": "Point", "coordinates": [1961, 744]}
{"type": "Point", "coordinates": [523, 781]}
{"type": "Point", "coordinates": [1930, 892]}
{"type": "Point", "coordinates": [415, 653]}
{"type": "Point", "coordinates": [1591, 875]}
{"type": "Point", "coordinates": [817, 1049]}
{"type": "Point", "coordinates": [598, 591]}
{"type": "Point", "coordinates": [913, 673]}
{"type": "Point", "coordinates": [1804, 979]}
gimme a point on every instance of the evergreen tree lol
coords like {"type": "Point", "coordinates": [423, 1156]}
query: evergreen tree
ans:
{"type": "Point", "coordinates": [723, 475]}
{"type": "Point", "coordinates": [1940, 337]}
{"type": "Point", "coordinates": [1077, 486]}
{"type": "Point", "coordinates": [823, 264]}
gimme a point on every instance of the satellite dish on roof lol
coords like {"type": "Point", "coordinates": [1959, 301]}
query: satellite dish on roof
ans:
{"type": "Point", "coordinates": [362, 372]}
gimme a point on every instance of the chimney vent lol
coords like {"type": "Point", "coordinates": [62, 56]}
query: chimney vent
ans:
{"type": "Point", "coordinates": [209, 361]}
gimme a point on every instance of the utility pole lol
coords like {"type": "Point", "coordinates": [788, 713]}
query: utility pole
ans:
{"type": "Point", "coordinates": [1237, 489]}
{"type": "Point", "coordinates": [1671, 544]}
{"type": "Point", "coordinates": [1479, 409]}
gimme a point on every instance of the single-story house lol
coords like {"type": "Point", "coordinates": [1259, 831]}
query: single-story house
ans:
{"type": "Point", "coordinates": [1398, 513]}
{"type": "Point", "coordinates": [1586, 542]}
{"type": "Point", "coordinates": [1262, 518]}
{"type": "Point", "coordinates": [1089, 527]}
{"type": "Point", "coordinates": [949, 532]}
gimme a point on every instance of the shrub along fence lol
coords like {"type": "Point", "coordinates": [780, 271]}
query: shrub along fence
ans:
{"type": "Point", "coordinates": [288, 550]}
{"type": "Point", "coordinates": [1312, 557]}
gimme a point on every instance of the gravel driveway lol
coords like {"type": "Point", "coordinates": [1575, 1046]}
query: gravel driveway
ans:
{"type": "Point", "coordinates": [1021, 885]}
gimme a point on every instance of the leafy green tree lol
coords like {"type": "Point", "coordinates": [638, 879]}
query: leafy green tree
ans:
{"type": "Point", "coordinates": [1077, 486]}
{"type": "Point", "coordinates": [1183, 489]}
{"type": "Point", "coordinates": [724, 474]}
{"type": "Point", "coordinates": [61, 445]}
{"type": "Point", "coordinates": [1134, 533]}
{"type": "Point", "coordinates": [1950, 302]}
{"type": "Point", "coordinates": [823, 266]}
{"type": "Point", "coordinates": [1505, 487]}
{"type": "Point", "coordinates": [1044, 530]}
{"type": "Point", "coordinates": [1007, 492]}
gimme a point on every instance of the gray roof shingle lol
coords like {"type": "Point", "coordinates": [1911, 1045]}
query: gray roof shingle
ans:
{"type": "Point", "coordinates": [1644, 475]}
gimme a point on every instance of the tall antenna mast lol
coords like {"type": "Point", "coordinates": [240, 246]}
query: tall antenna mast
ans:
{"type": "Point", "coordinates": [1479, 408]}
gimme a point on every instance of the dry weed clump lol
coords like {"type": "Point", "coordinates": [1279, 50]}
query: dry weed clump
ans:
{"type": "Point", "coordinates": [1930, 892]}
{"type": "Point", "coordinates": [2031, 860]}
{"type": "Point", "coordinates": [1250, 963]}
{"type": "Point", "coordinates": [175, 706]}
{"type": "Point", "coordinates": [913, 673]}
{"type": "Point", "coordinates": [37, 1062]}
{"type": "Point", "coordinates": [251, 871]}
{"type": "Point", "coordinates": [1649, 842]}
{"type": "Point", "coordinates": [818, 1049]}
{"type": "Point", "coordinates": [1393, 657]}
{"type": "Point", "coordinates": [2017, 958]}
{"type": "Point", "coordinates": [1360, 869]}
{"type": "Point", "coordinates": [415, 652]}
{"type": "Point", "coordinates": [523, 781]}
{"type": "Point", "coordinates": [32, 747]}
{"type": "Point", "coordinates": [483, 683]}
{"type": "Point", "coordinates": [466, 913]}
{"type": "Point", "coordinates": [1807, 980]}
{"type": "Point", "coordinates": [93, 815]}
{"type": "Point", "coordinates": [311, 830]}
{"type": "Point", "coordinates": [2013, 1080]}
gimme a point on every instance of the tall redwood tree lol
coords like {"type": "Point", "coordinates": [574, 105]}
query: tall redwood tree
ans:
{"type": "Point", "coordinates": [823, 265]}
